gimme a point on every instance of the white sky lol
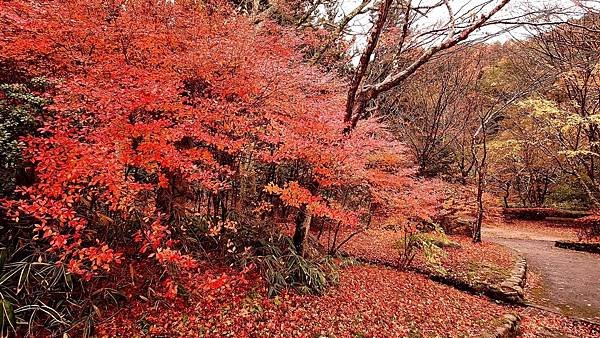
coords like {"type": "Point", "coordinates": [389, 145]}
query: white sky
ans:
{"type": "Point", "coordinates": [360, 25]}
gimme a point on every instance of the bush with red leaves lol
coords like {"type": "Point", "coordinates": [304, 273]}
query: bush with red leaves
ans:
{"type": "Point", "coordinates": [161, 123]}
{"type": "Point", "coordinates": [172, 129]}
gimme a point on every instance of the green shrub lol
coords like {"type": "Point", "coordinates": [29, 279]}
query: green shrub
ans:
{"type": "Point", "coordinates": [431, 244]}
{"type": "Point", "coordinates": [568, 194]}
{"type": "Point", "coordinates": [284, 269]}
{"type": "Point", "coordinates": [19, 109]}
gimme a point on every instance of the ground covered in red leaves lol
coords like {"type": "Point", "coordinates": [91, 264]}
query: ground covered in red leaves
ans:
{"type": "Point", "coordinates": [369, 301]}
{"type": "Point", "coordinates": [373, 245]}
{"type": "Point", "coordinates": [538, 323]}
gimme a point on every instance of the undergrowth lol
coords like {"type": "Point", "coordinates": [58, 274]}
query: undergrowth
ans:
{"type": "Point", "coordinates": [284, 269]}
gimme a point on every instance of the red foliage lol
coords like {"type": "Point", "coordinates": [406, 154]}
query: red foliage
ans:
{"type": "Point", "coordinates": [157, 106]}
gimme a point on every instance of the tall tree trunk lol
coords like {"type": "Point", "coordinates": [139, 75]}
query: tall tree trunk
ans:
{"type": "Point", "coordinates": [480, 169]}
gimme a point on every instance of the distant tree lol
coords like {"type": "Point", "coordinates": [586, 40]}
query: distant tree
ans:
{"type": "Point", "coordinates": [498, 94]}
{"type": "Point", "coordinates": [414, 46]}
{"type": "Point", "coordinates": [433, 113]}
{"type": "Point", "coordinates": [567, 110]}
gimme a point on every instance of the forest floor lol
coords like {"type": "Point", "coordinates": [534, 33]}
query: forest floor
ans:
{"type": "Point", "coordinates": [370, 300]}
{"type": "Point", "coordinates": [490, 261]}
{"type": "Point", "coordinates": [567, 280]}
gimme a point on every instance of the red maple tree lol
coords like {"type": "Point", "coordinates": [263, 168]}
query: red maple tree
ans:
{"type": "Point", "coordinates": [165, 112]}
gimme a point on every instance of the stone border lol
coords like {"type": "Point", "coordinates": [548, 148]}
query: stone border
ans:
{"type": "Point", "coordinates": [586, 247]}
{"type": "Point", "coordinates": [513, 286]}
{"type": "Point", "coordinates": [508, 328]}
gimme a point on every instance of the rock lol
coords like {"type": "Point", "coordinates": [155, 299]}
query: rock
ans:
{"type": "Point", "coordinates": [508, 328]}
{"type": "Point", "coordinates": [519, 290]}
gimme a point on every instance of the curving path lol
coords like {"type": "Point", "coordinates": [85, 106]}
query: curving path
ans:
{"type": "Point", "coordinates": [570, 280]}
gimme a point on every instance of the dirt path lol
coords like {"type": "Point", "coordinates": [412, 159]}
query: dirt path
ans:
{"type": "Point", "coordinates": [570, 280]}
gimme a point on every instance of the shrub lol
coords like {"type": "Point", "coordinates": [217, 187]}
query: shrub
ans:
{"type": "Point", "coordinates": [284, 269]}
{"type": "Point", "coordinates": [35, 292]}
{"type": "Point", "coordinates": [139, 141]}
{"type": "Point", "coordinates": [430, 244]}
{"type": "Point", "coordinates": [525, 213]}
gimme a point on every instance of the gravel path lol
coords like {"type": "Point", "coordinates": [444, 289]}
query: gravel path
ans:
{"type": "Point", "coordinates": [570, 279]}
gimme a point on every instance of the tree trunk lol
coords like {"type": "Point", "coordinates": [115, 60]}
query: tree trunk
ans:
{"type": "Point", "coordinates": [480, 169]}
{"type": "Point", "coordinates": [506, 189]}
{"type": "Point", "coordinates": [479, 219]}
{"type": "Point", "coordinates": [303, 220]}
